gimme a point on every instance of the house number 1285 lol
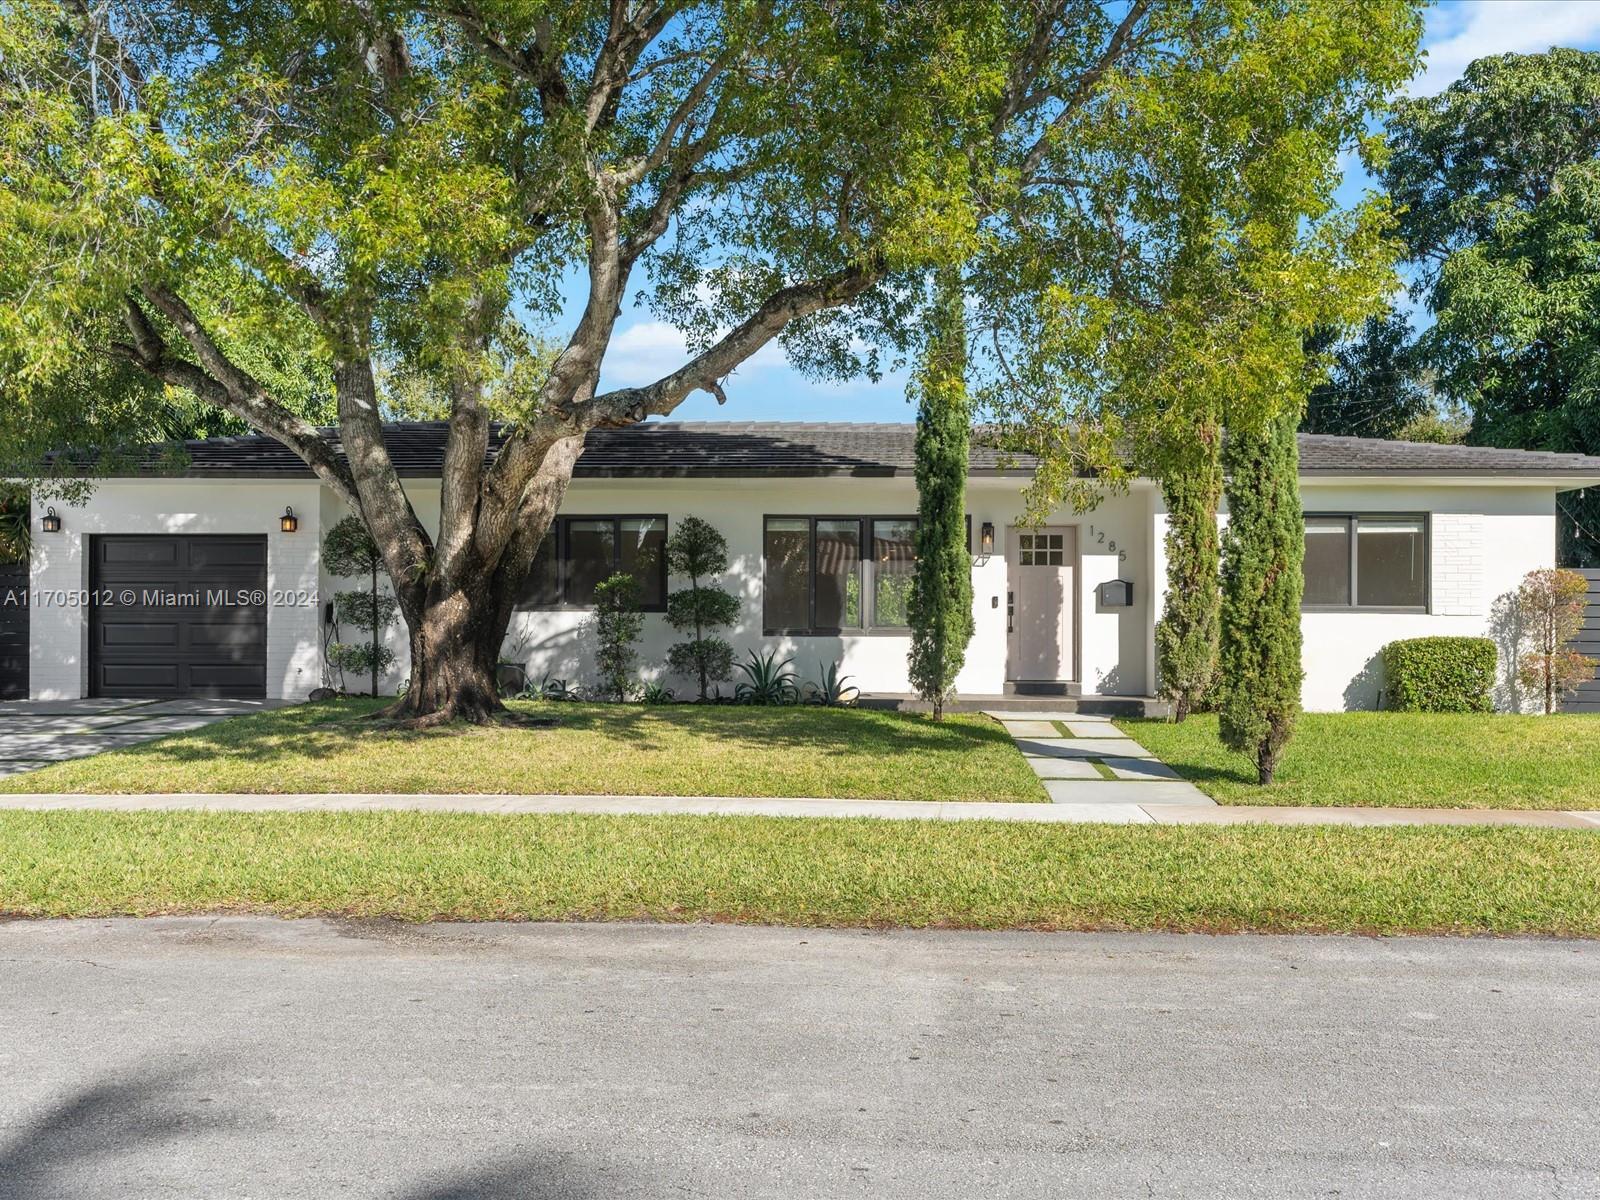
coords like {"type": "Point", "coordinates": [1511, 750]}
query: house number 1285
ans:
{"type": "Point", "coordinates": [1098, 537]}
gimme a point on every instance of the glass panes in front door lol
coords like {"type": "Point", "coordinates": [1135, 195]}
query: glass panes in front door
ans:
{"type": "Point", "coordinates": [1041, 550]}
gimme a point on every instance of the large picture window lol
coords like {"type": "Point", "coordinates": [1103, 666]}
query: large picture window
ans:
{"type": "Point", "coordinates": [1366, 561]}
{"type": "Point", "coordinates": [812, 578]}
{"type": "Point", "coordinates": [579, 552]}
{"type": "Point", "coordinates": [826, 575]}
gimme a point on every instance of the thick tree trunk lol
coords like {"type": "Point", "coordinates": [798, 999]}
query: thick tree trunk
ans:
{"type": "Point", "coordinates": [455, 648]}
{"type": "Point", "coordinates": [458, 622]}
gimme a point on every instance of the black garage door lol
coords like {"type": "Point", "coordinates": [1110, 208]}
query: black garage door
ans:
{"type": "Point", "coordinates": [13, 631]}
{"type": "Point", "coordinates": [178, 616]}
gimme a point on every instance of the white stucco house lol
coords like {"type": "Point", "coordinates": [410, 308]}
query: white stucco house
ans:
{"type": "Point", "coordinates": [195, 583]}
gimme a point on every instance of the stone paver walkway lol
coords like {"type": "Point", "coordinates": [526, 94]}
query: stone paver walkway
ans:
{"type": "Point", "coordinates": [1084, 760]}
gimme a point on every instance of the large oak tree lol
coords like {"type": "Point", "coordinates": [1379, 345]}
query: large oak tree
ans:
{"type": "Point", "coordinates": [1497, 179]}
{"type": "Point", "coordinates": [384, 183]}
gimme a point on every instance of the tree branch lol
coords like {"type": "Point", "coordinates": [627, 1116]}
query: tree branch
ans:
{"type": "Point", "coordinates": [1121, 40]}
{"type": "Point", "coordinates": [218, 382]}
{"type": "Point", "coordinates": [705, 371]}
{"type": "Point", "coordinates": [627, 176]}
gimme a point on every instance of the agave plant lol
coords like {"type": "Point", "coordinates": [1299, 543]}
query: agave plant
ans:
{"type": "Point", "coordinates": [654, 693]}
{"type": "Point", "coordinates": [833, 689]}
{"type": "Point", "coordinates": [555, 689]}
{"type": "Point", "coordinates": [767, 680]}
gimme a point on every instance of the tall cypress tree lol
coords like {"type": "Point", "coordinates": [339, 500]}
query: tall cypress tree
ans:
{"type": "Point", "coordinates": [940, 605]}
{"type": "Point", "coordinates": [1188, 632]}
{"type": "Point", "coordinates": [1263, 556]}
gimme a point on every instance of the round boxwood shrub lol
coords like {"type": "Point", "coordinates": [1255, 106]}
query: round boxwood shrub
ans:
{"type": "Point", "coordinates": [1439, 674]}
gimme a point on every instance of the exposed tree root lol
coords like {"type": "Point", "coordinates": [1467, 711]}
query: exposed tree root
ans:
{"type": "Point", "coordinates": [401, 715]}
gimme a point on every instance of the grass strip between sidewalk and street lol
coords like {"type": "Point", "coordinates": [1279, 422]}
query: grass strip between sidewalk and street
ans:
{"type": "Point", "coordinates": [425, 866]}
{"type": "Point", "coordinates": [1397, 760]}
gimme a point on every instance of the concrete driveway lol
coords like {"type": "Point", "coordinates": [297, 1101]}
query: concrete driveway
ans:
{"type": "Point", "coordinates": [36, 733]}
{"type": "Point", "coordinates": [242, 1057]}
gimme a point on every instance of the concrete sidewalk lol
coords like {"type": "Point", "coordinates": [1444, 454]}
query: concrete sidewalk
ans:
{"type": "Point", "coordinates": [1130, 813]}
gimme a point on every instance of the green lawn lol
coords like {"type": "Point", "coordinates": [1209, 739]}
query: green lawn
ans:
{"type": "Point", "coordinates": [598, 749]}
{"type": "Point", "coordinates": [1400, 760]}
{"type": "Point", "coordinates": [982, 874]}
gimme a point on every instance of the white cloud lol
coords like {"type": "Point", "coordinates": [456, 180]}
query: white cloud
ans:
{"type": "Point", "coordinates": [649, 349]}
{"type": "Point", "coordinates": [1471, 29]}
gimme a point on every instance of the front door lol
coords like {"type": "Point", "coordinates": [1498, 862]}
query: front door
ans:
{"type": "Point", "coordinates": [1040, 570]}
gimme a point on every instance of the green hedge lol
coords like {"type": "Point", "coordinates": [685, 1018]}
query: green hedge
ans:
{"type": "Point", "coordinates": [1439, 674]}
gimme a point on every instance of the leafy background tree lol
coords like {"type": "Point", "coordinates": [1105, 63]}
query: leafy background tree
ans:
{"type": "Point", "coordinates": [1124, 309]}
{"type": "Point", "coordinates": [617, 625]}
{"type": "Point", "coordinates": [698, 552]}
{"type": "Point", "coordinates": [1497, 184]}
{"type": "Point", "coordinates": [349, 551]}
{"type": "Point", "coordinates": [1263, 562]}
{"type": "Point", "coordinates": [1376, 387]}
{"type": "Point", "coordinates": [940, 605]}
{"type": "Point", "coordinates": [16, 533]}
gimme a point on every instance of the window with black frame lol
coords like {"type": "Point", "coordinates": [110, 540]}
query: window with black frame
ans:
{"type": "Point", "coordinates": [811, 579]}
{"type": "Point", "coordinates": [894, 563]}
{"type": "Point", "coordinates": [1377, 561]}
{"type": "Point", "coordinates": [579, 552]}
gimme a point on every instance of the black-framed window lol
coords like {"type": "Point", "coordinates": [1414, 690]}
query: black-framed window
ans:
{"type": "Point", "coordinates": [580, 551]}
{"type": "Point", "coordinates": [811, 575]}
{"type": "Point", "coordinates": [894, 564]}
{"type": "Point", "coordinates": [1366, 560]}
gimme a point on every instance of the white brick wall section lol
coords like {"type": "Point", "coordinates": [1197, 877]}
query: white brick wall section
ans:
{"type": "Point", "coordinates": [1457, 585]}
{"type": "Point", "coordinates": [294, 614]}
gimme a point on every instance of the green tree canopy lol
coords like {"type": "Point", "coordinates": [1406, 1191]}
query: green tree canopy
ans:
{"type": "Point", "coordinates": [1497, 182]}
{"type": "Point", "coordinates": [1161, 269]}
{"type": "Point", "coordinates": [384, 184]}
{"type": "Point", "coordinates": [1376, 387]}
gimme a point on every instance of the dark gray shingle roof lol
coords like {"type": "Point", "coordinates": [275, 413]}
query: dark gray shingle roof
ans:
{"type": "Point", "coordinates": [752, 449]}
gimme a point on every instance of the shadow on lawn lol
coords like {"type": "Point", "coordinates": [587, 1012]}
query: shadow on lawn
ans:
{"type": "Point", "coordinates": [335, 728]}
{"type": "Point", "coordinates": [90, 1146]}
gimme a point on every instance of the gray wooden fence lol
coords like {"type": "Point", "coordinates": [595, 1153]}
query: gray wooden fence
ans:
{"type": "Point", "coordinates": [1587, 697]}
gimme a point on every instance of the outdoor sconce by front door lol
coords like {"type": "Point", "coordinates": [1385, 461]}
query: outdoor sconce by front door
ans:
{"type": "Point", "coordinates": [50, 523]}
{"type": "Point", "coordinates": [986, 538]}
{"type": "Point", "coordinates": [288, 522]}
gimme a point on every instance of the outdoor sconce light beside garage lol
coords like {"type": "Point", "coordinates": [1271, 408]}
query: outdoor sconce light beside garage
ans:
{"type": "Point", "coordinates": [288, 522]}
{"type": "Point", "coordinates": [986, 538]}
{"type": "Point", "coordinates": [50, 523]}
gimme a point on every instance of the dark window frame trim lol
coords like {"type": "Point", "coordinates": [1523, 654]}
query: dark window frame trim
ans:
{"type": "Point", "coordinates": [867, 628]}
{"type": "Point", "coordinates": [559, 527]}
{"type": "Point", "coordinates": [870, 596]}
{"type": "Point", "coordinates": [863, 534]}
{"type": "Point", "coordinates": [1353, 519]}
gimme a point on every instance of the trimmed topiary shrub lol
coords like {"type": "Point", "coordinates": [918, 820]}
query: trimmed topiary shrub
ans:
{"type": "Point", "coordinates": [1439, 674]}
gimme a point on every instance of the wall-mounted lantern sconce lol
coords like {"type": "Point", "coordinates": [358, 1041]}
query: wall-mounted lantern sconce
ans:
{"type": "Point", "coordinates": [986, 538]}
{"type": "Point", "coordinates": [50, 523]}
{"type": "Point", "coordinates": [288, 522]}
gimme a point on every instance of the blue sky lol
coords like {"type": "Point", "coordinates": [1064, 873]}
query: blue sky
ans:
{"type": "Point", "coordinates": [765, 388]}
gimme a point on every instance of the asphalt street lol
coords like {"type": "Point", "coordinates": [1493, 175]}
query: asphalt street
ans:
{"type": "Point", "coordinates": [242, 1057]}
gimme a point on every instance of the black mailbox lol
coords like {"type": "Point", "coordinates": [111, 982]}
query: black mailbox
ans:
{"type": "Point", "coordinates": [1116, 593]}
